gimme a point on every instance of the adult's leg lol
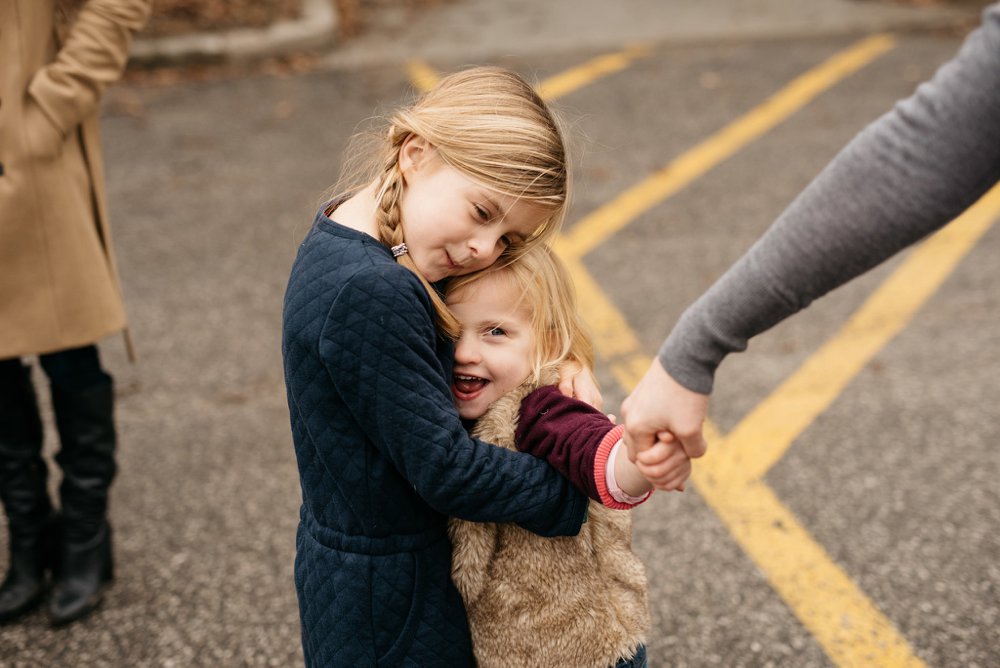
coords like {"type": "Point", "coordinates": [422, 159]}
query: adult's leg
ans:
{"type": "Point", "coordinates": [83, 402]}
{"type": "Point", "coordinates": [23, 475]}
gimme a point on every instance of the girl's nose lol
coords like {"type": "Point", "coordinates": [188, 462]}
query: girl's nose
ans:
{"type": "Point", "coordinates": [485, 244]}
{"type": "Point", "coordinates": [467, 349]}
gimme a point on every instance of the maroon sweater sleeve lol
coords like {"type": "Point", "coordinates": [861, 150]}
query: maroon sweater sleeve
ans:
{"type": "Point", "coordinates": [564, 432]}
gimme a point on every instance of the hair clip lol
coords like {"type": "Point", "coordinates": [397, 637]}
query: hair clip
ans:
{"type": "Point", "coordinates": [400, 249]}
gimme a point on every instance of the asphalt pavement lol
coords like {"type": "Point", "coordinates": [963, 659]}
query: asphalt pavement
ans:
{"type": "Point", "coordinates": [212, 183]}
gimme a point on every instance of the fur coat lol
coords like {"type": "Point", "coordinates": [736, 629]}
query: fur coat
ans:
{"type": "Point", "coordinates": [532, 601]}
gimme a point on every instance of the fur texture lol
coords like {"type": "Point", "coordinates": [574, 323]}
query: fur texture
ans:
{"type": "Point", "coordinates": [577, 601]}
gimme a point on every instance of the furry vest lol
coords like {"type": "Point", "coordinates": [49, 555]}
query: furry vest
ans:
{"type": "Point", "coordinates": [532, 601]}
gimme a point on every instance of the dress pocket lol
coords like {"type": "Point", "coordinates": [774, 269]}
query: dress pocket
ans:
{"type": "Point", "coordinates": [399, 590]}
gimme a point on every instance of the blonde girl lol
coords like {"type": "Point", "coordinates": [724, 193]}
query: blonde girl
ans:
{"type": "Point", "coordinates": [471, 174]}
{"type": "Point", "coordinates": [576, 601]}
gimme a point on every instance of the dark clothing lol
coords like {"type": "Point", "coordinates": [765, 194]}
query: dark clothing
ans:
{"type": "Point", "coordinates": [384, 459]}
{"type": "Point", "coordinates": [567, 434]}
{"type": "Point", "coordinates": [75, 369]}
{"type": "Point", "coordinates": [637, 661]}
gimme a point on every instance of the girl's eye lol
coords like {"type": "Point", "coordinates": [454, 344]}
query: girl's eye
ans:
{"type": "Point", "coordinates": [482, 213]}
{"type": "Point", "coordinates": [497, 331]}
{"type": "Point", "coordinates": [507, 241]}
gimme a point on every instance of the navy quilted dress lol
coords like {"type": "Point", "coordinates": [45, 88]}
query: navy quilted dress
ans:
{"type": "Point", "coordinates": [383, 460]}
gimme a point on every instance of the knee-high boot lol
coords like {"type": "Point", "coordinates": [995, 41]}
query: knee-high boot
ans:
{"type": "Point", "coordinates": [85, 422]}
{"type": "Point", "coordinates": [23, 476]}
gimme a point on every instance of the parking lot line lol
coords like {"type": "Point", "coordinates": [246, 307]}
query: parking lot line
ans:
{"type": "Point", "coordinates": [589, 72]}
{"type": "Point", "coordinates": [608, 219]}
{"type": "Point", "coordinates": [765, 434]}
{"type": "Point", "coordinates": [849, 627]}
{"type": "Point", "coordinates": [424, 77]}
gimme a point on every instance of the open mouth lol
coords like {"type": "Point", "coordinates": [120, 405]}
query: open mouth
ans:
{"type": "Point", "coordinates": [466, 388]}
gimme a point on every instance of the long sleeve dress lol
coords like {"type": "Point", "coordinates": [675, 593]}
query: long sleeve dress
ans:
{"type": "Point", "coordinates": [384, 460]}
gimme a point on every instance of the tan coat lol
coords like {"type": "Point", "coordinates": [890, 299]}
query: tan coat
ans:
{"type": "Point", "coordinates": [533, 601]}
{"type": "Point", "coordinates": [58, 282]}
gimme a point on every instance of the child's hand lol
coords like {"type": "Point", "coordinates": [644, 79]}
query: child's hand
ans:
{"type": "Point", "coordinates": [578, 382]}
{"type": "Point", "coordinates": [665, 465]}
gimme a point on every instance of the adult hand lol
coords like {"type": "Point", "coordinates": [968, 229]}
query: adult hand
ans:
{"type": "Point", "coordinates": [660, 403]}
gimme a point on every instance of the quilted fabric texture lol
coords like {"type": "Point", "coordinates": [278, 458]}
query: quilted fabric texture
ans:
{"type": "Point", "coordinates": [384, 459]}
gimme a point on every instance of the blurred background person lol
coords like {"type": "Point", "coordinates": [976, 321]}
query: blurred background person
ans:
{"type": "Point", "coordinates": [59, 293]}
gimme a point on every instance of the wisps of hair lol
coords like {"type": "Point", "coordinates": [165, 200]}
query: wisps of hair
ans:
{"type": "Point", "coordinates": [491, 125]}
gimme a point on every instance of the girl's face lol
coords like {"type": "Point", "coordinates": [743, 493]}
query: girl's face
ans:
{"type": "Point", "coordinates": [452, 224]}
{"type": "Point", "coordinates": [493, 354]}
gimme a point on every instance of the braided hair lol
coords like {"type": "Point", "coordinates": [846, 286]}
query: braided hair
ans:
{"type": "Point", "coordinates": [489, 124]}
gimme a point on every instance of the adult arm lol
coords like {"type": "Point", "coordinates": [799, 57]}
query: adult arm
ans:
{"type": "Point", "coordinates": [903, 177]}
{"type": "Point", "coordinates": [377, 345]}
{"type": "Point", "coordinates": [92, 56]}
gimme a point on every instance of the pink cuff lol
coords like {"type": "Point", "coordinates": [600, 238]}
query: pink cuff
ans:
{"type": "Point", "coordinates": [617, 493]}
{"type": "Point", "coordinates": [601, 469]}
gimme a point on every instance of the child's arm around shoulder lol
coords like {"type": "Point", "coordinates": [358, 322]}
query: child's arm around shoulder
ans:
{"type": "Point", "coordinates": [580, 442]}
{"type": "Point", "coordinates": [378, 346]}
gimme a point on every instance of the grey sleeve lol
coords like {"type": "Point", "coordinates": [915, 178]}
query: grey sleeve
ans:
{"type": "Point", "coordinates": [901, 178]}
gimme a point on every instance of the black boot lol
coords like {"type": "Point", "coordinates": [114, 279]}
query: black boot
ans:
{"type": "Point", "coordinates": [87, 457]}
{"type": "Point", "coordinates": [84, 569]}
{"type": "Point", "coordinates": [31, 559]}
{"type": "Point", "coordinates": [23, 476]}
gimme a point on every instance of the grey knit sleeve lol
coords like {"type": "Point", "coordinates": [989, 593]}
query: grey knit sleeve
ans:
{"type": "Point", "coordinates": [901, 178]}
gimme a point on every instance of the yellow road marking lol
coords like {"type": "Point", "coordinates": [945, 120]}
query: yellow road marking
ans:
{"type": "Point", "coordinates": [772, 426]}
{"type": "Point", "coordinates": [424, 77]}
{"type": "Point", "coordinates": [851, 630]}
{"type": "Point", "coordinates": [614, 340]}
{"type": "Point", "coordinates": [619, 212]}
{"type": "Point", "coordinates": [578, 77]}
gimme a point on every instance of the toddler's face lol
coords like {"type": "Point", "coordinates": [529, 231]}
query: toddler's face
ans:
{"type": "Point", "coordinates": [493, 354]}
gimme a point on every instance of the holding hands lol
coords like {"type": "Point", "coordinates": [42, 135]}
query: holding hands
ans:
{"type": "Point", "coordinates": [665, 464]}
{"type": "Point", "coordinates": [663, 428]}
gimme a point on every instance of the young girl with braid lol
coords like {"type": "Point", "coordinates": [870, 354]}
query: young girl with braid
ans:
{"type": "Point", "coordinates": [473, 173]}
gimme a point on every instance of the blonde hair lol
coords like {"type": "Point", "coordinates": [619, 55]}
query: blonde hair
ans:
{"type": "Point", "coordinates": [488, 123]}
{"type": "Point", "coordinates": [547, 294]}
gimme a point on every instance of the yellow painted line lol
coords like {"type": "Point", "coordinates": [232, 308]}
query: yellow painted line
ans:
{"type": "Point", "coordinates": [424, 77]}
{"type": "Point", "coordinates": [851, 630]}
{"type": "Point", "coordinates": [613, 339]}
{"type": "Point", "coordinates": [582, 75]}
{"type": "Point", "coordinates": [619, 212]}
{"type": "Point", "coordinates": [849, 627]}
{"type": "Point", "coordinates": [766, 433]}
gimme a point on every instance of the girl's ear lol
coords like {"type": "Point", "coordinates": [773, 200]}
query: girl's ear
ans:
{"type": "Point", "coordinates": [413, 154]}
